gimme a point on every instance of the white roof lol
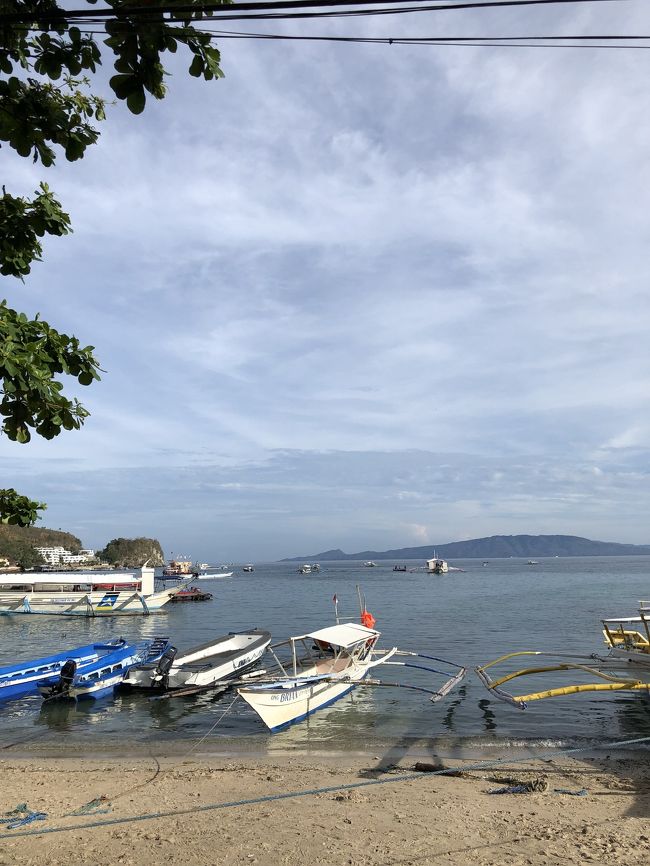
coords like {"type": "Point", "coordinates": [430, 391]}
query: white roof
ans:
{"type": "Point", "coordinates": [622, 619]}
{"type": "Point", "coordinates": [67, 577]}
{"type": "Point", "coordinates": [343, 635]}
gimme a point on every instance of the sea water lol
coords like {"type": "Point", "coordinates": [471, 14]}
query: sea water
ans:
{"type": "Point", "coordinates": [469, 616]}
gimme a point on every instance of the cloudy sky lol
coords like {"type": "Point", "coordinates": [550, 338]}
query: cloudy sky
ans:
{"type": "Point", "coordinates": [359, 296]}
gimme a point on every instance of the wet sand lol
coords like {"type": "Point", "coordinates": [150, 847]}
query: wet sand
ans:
{"type": "Point", "coordinates": [427, 820]}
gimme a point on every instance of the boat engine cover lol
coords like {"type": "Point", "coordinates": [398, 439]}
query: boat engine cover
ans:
{"type": "Point", "coordinates": [161, 676]}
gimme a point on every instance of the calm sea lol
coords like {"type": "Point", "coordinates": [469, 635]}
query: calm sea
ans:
{"type": "Point", "coordinates": [471, 617]}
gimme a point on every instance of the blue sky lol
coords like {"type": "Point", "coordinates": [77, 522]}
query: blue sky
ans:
{"type": "Point", "coordinates": [359, 296]}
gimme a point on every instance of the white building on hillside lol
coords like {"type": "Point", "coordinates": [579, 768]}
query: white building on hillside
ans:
{"type": "Point", "coordinates": [59, 555]}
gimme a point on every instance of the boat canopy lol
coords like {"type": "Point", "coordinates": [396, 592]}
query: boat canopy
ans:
{"type": "Point", "coordinates": [623, 619]}
{"type": "Point", "coordinates": [344, 635]}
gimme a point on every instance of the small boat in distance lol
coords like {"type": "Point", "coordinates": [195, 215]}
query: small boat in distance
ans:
{"type": "Point", "coordinates": [180, 567]}
{"type": "Point", "coordinates": [370, 564]}
{"type": "Point", "coordinates": [437, 566]}
{"type": "Point", "coordinates": [305, 569]}
{"type": "Point", "coordinates": [532, 562]}
{"type": "Point", "coordinates": [204, 665]}
{"type": "Point", "coordinates": [248, 568]}
{"type": "Point", "coordinates": [191, 593]}
{"type": "Point", "coordinates": [399, 568]}
{"type": "Point", "coordinates": [22, 678]}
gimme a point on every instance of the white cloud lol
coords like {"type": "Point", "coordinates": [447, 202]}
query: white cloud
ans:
{"type": "Point", "coordinates": [370, 251]}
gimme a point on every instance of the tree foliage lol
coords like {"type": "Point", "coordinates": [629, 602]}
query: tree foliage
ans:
{"type": "Point", "coordinates": [31, 355]}
{"type": "Point", "coordinates": [18, 510]}
{"type": "Point", "coordinates": [46, 108]}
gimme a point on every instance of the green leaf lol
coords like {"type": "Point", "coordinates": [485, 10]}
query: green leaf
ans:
{"type": "Point", "coordinates": [136, 100]}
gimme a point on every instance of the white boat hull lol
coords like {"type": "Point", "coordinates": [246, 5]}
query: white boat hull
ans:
{"type": "Point", "coordinates": [281, 706]}
{"type": "Point", "coordinates": [91, 604]}
{"type": "Point", "coordinates": [211, 663]}
{"type": "Point", "coordinates": [625, 660]}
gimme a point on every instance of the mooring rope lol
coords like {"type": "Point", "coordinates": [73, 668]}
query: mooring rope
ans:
{"type": "Point", "coordinates": [254, 801]}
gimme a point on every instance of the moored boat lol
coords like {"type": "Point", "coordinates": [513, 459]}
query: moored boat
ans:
{"type": "Point", "coordinates": [437, 566]}
{"type": "Point", "coordinates": [191, 593]}
{"type": "Point", "coordinates": [21, 678]}
{"type": "Point", "coordinates": [99, 679]}
{"type": "Point", "coordinates": [324, 665]}
{"type": "Point", "coordinates": [314, 670]}
{"type": "Point", "coordinates": [89, 594]}
{"type": "Point", "coordinates": [625, 667]}
{"type": "Point", "coordinates": [204, 665]}
{"type": "Point", "coordinates": [180, 568]}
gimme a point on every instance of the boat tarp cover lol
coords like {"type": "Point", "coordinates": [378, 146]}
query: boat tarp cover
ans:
{"type": "Point", "coordinates": [344, 635]}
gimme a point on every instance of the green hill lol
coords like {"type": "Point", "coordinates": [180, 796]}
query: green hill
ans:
{"type": "Point", "coordinates": [17, 543]}
{"type": "Point", "coordinates": [132, 552]}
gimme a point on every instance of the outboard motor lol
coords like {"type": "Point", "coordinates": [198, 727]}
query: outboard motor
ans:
{"type": "Point", "coordinates": [165, 662]}
{"type": "Point", "coordinates": [66, 677]}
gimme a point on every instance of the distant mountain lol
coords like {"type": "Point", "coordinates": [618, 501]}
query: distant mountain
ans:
{"type": "Point", "coordinates": [495, 547]}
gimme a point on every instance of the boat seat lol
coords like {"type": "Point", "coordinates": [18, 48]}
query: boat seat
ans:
{"type": "Point", "coordinates": [626, 637]}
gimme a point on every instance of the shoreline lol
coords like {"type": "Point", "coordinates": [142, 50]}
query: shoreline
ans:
{"type": "Point", "coordinates": [293, 809]}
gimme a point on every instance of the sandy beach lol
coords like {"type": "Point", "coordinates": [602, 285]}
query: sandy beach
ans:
{"type": "Point", "coordinates": [430, 819]}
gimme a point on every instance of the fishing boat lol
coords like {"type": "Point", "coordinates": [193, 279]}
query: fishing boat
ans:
{"type": "Point", "coordinates": [91, 594]}
{"type": "Point", "coordinates": [179, 568]}
{"type": "Point", "coordinates": [399, 568]}
{"type": "Point", "coordinates": [21, 678]}
{"type": "Point", "coordinates": [99, 679]}
{"type": "Point", "coordinates": [191, 593]}
{"type": "Point", "coordinates": [315, 669]}
{"type": "Point", "coordinates": [212, 575]}
{"type": "Point", "coordinates": [204, 665]}
{"type": "Point", "coordinates": [625, 666]}
{"type": "Point", "coordinates": [628, 638]}
{"type": "Point", "coordinates": [437, 566]}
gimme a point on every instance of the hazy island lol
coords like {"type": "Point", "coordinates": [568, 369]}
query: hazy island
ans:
{"type": "Point", "coordinates": [493, 547]}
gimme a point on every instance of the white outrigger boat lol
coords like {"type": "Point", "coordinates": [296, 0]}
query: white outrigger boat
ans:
{"type": "Point", "coordinates": [69, 593]}
{"type": "Point", "coordinates": [625, 667]}
{"type": "Point", "coordinates": [202, 666]}
{"type": "Point", "coordinates": [323, 666]}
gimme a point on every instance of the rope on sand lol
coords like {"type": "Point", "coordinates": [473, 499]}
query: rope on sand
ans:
{"type": "Point", "coordinates": [254, 801]}
{"type": "Point", "coordinates": [21, 815]}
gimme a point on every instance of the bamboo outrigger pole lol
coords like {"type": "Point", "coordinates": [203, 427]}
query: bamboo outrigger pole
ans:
{"type": "Point", "coordinates": [612, 683]}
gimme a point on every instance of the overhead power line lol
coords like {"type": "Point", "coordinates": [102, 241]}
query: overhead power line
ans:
{"type": "Point", "coordinates": [232, 11]}
{"type": "Point", "coordinates": [584, 41]}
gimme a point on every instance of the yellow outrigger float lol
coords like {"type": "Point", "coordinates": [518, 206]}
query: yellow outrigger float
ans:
{"type": "Point", "coordinates": [626, 667]}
